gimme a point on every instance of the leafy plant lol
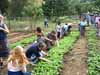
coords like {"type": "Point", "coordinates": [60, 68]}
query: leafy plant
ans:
{"type": "Point", "coordinates": [56, 56]}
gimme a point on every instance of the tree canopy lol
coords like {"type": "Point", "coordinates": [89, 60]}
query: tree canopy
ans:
{"type": "Point", "coordinates": [48, 7]}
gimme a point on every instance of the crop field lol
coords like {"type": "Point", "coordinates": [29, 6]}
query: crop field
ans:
{"type": "Point", "coordinates": [68, 55]}
{"type": "Point", "coordinates": [94, 54]}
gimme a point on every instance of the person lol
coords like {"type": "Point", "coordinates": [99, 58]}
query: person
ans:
{"type": "Point", "coordinates": [88, 18]}
{"type": "Point", "coordinates": [96, 20]}
{"type": "Point", "coordinates": [69, 28]}
{"type": "Point", "coordinates": [52, 36]}
{"type": "Point", "coordinates": [17, 62]}
{"type": "Point", "coordinates": [4, 48]}
{"type": "Point", "coordinates": [40, 37]}
{"type": "Point", "coordinates": [39, 32]}
{"type": "Point", "coordinates": [46, 23]}
{"type": "Point", "coordinates": [65, 28]}
{"type": "Point", "coordinates": [36, 52]}
{"type": "Point", "coordinates": [98, 28]}
{"type": "Point", "coordinates": [82, 26]}
{"type": "Point", "coordinates": [59, 30]}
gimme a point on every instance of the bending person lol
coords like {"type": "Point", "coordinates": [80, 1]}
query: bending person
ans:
{"type": "Point", "coordinates": [35, 52]}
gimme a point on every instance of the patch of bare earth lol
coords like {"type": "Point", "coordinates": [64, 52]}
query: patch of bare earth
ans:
{"type": "Point", "coordinates": [75, 63]}
{"type": "Point", "coordinates": [18, 38]}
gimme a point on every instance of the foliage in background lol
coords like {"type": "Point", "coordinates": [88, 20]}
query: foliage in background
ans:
{"type": "Point", "coordinates": [32, 9]}
{"type": "Point", "coordinates": [4, 6]}
{"type": "Point", "coordinates": [16, 7]}
{"type": "Point", "coordinates": [59, 7]}
{"type": "Point", "coordinates": [85, 7]}
{"type": "Point", "coordinates": [97, 5]}
{"type": "Point", "coordinates": [48, 7]}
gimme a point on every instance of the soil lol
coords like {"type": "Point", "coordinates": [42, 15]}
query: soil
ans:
{"type": "Point", "coordinates": [75, 62]}
{"type": "Point", "coordinates": [17, 36]}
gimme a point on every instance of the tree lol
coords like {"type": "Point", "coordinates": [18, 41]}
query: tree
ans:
{"type": "Point", "coordinates": [4, 6]}
{"type": "Point", "coordinates": [59, 7]}
{"type": "Point", "coordinates": [17, 7]}
{"type": "Point", "coordinates": [32, 8]}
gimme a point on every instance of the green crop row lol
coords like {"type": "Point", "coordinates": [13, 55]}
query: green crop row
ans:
{"type": "Point", "coordinates": [24, 42]}
{"type": "Point", "coordinates": [56, 56]}
{"type": "Point", "coordinates": [94, 54]}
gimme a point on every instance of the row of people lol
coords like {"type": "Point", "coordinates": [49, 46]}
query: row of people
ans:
{"type": "Point", "coordinates": [18, 58]}
{"type": "Point", "coordinates": [47, 41]}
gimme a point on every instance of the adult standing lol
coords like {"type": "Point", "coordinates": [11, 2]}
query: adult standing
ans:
{"type": "Point", "coordinates": [46, 22]}
{"type": "Point", "coordinates": [98, 28]}
{"type": "Point", "coordinates": [82, 26]}
{"type": "Point", "coordinates": [4, 49]}
{"type": "Point", "coordinates": [59, 30]}
{"type": "Point", "coordinates": [88, 18]}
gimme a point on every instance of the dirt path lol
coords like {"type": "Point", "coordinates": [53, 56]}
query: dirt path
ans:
{"type": "Point", "coordinates": [75, 63]}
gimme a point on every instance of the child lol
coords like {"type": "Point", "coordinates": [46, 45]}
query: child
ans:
{"type": "Point", "coordinates": [17, 62]}
{"type": "Point", "coordinates": [53, 36]}
{"type": "Point", "coordinates": [35, 52]}
{"type": "Point", "coordinates": [40, 36]}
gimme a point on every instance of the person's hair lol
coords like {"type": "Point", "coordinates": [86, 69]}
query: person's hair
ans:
{"type": "Point", "coordinates": [53, 32]}
{"type": "Point", "coordinates": [42, 45]}
{"type": "Point", "coordinates": [38, 29]}
{"type": "Point", "coordinates": [99, 19]}
{"type": "Point", "coordinates": [18, 53]}
{"type": "Point", "coordinates": [66, 24]}
{"type": "Point", "coordinates": [59, 22]}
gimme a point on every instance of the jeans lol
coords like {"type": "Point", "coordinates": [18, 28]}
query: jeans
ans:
{"type": "Point", "coordinates": [27, 73]}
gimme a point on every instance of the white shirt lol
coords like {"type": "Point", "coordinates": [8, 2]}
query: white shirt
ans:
{"type": "Point", "coordinates": [14, 68]}
{"type": "Point", "coordinates": [58, 27]}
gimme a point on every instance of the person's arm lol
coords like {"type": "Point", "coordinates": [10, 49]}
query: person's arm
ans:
{"type": "Point", "coordinates": [5, 29]}
{"type": "Point", "coordinates": [48, 39]}
{"type": "Point", "coordinates": [23, 68]}
{"type": "Point", "coordinates": [44, 59]}
{"type": "Point", "coordinates": [44, 53]}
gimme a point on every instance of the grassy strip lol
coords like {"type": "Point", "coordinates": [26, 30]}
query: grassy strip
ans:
{"type": "Point", "coordinates": [24, 42]}
{"type": "Point", "coordinates": [56, 56]}
{"type": "Point", "coordinates": [94, 54]}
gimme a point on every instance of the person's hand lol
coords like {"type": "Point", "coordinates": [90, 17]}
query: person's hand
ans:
{"type": "Point", "coordinates": [49, 61]}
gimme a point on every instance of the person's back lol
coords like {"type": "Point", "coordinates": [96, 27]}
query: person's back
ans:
{"type": "Point", "coordinates": [32, 49]}
{"type": "Point", "coordinates": [83, 23]}
{"type": "Point", "coordinates": [82, 26]}
{"type": "Point", "coordinates": [69, 28]}
{"type": "Point", "coordinates": [65, 27]}
{"type": "Point", "coordinates": [3, 35]}
{"type": "Point", "coordinates": [52, 35]}
{"type": "Point", "coordinates": [17, 62]}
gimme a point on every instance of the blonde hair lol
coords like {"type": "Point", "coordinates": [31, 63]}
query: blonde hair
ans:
{"type": "Point", "coordinates": [18, 53]}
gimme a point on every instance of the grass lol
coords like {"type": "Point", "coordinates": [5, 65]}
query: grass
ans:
{"type": "Point", "coordinates": [22, 23]}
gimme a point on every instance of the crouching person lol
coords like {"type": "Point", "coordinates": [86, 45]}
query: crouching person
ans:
{"type": "Point", "coordinates": [36, 52]}
{"type": "Point", "coordinates": [17, 62]}
{"type": "Point", "coordinates": [53, 36]}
